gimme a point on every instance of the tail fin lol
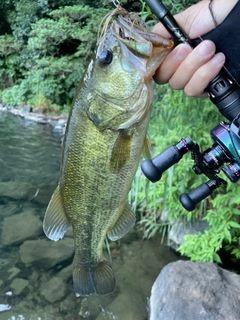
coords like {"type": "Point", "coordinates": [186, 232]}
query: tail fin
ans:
{"type": "Point", "coordinates": [99, 279]}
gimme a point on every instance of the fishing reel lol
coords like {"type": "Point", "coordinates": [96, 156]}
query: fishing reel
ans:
{"type": "Point", "coordinates": [224, 154]}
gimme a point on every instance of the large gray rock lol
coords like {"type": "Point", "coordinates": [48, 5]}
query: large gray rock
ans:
{"type": "Point", "coordinates": [17, 190]}
{"type": "Point", "coordinates": [46, 253]}
{"type": "Point", "coordinates": [20, 227]}
{"type": "Point", "coordinates": [186, 290]}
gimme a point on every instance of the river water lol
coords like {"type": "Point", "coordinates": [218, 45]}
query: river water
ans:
{"type": "Point", "coordinates": [32, 288]}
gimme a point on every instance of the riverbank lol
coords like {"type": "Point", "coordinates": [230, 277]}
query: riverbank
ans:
{"type": "Point", "coordinates": [57, 122]}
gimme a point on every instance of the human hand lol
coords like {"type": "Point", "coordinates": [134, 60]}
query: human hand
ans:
{"type": "Point", "coordinates": [192, 70]}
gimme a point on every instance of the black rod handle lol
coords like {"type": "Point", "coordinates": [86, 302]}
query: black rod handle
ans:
{"type": "Point", "coordinates": [163, 15]}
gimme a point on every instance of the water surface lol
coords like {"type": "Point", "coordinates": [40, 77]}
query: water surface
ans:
{"type": "Point", "coordinates": [29, 169]}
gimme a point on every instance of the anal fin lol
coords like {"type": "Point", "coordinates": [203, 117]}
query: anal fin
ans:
{"type": "Point", "coordinates": [124, 223]}
{"type": "Point", "coordinates": [55, 222]}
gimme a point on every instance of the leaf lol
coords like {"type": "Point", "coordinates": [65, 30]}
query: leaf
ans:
{"type": "Point", "coordinates": [236, 211]}
{"type": "Point", "coordinates": [234, 224]}
{"type": "Point", "coordinates": [227, 235]}
{"type": "Point", "coordinates": [216, 258]}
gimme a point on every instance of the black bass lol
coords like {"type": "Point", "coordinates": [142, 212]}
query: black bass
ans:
{"type": "Point", "coordinates": [105, 137]}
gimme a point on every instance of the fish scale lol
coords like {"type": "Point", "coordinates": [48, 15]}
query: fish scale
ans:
{"type": "Point", "coordinates": [104, 140]}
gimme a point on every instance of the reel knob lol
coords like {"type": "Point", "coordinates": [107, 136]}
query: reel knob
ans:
{"type": "Point", "coordinates": [153, 169]}
{"type": "Point", "coordinates": [191, 199]}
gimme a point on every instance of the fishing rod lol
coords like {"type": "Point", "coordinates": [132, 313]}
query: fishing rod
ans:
{"type": "Point", "coordinates": [224, 154]}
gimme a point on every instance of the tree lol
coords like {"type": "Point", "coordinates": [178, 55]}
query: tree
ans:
{"type": "Point", "coordinates": [47, 47]}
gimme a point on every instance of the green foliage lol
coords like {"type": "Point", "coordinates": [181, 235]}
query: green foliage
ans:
{"type": "Point", "coordinates": [176, 6]}
{"type": "Point", "coordinates": [224, 230]}
{"type": "Point", "coordinates": [58, 50]}
{"type": "Point", "coordinates": [9, 60]}
{"type": "Point", "coordinates": [176, 116]}
{"type": "Point", "coordinates": [6, 7]}
{"type": "Point", "coordinates": [26, 12]}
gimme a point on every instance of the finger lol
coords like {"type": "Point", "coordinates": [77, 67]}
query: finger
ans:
{"type": "Point", "coordinates": [160, 29]}
{"type": "Point", "coordinates": [198, 57]}
{"type": "Point", "coordinates": [196, 20]}
{"type": "Point", "coordinates": [201, 78]}
{"type": "Point", "coordinates": [171, 63]}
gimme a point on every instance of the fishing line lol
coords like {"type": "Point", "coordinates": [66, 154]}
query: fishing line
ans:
{"type": "Point", "coordinates": [212, 14]}
{"type": "Point", "coordinates": [116, 3]}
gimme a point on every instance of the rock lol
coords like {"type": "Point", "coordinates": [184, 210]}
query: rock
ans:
{"type": "Point", "coordinates": [60, 126]}
{"type": "Point", "coordinates": [69, 305]}
{"type": "Point", "coordinates": [18, 285]}
{"type": "Point", "coordinates": [95, 305]}
{"type": "Point", "coordinates": [13, 272]}
{"type": "Point", "coordinates": [53, 290]}
{"type": "Point", "coordinates": [125, 306]}
{"type": "Point", "coordinates": [2, 107]}
{"type": "Point", "coordinates": [46, 253]}
{"type": "Point", "coordinates": [3, 262]}
{"type": "Point", "coordinates": [17, 190]}
{"type": "Point", "coordinates": [40, 110]}
{"type": "Point", "coordinates": [186, 290]}
{"type": "Point", "coordinates": [181, 228]}
{"type": "Point", "coordinates": [35, 118]}
{"type": "Point", "coordinates": [66, 273]}
{"type": "Point", "coordinates": [140, 265]}
{"type": "Point", "coordinates": [69, 233]}
{"type": "Point", "coordinates": [44, 194]}
{"type": "Point", "coordinates": [24, 111]}
{"type": "Point", "coordinates": [58, 129]}
{"type": "Point", "coordinates": [20, 227]}
{"type": "Point", "coordinates": [9, 209]}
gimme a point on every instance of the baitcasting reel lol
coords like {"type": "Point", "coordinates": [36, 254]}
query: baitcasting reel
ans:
{"type": "Point", "coordinates": [225, 151]}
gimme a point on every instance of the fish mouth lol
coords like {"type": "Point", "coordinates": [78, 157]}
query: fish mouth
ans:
{"type": "Point", "coordinates": [137, 37]}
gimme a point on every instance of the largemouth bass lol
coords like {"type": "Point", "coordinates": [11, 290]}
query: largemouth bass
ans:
{"type": "Point", "coordinates": [104, 139]}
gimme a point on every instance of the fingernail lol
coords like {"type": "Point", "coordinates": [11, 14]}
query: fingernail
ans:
{"type": "Point", "coordinates": [218, 59]}
{"type": "Point", "coordinates": [182, 51]}
{"type": "Point", "coordinates": [206, 48]}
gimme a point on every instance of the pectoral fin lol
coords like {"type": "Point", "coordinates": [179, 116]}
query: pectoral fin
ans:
{"type": "Point", "coordinates": [55, 222]}
{"type": "Point", "coordinates": [124, 223]}
{"type": "Point", "coordinates": [146, 150]}
{"type": "Point", "coordinates": [121, 151]}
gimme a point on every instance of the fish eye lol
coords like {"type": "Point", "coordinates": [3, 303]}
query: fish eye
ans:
{"type": "Point", "coordinates": [105, 57]}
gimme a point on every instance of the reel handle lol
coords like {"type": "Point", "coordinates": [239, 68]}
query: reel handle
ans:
{"type": "Point", "coordinates": [153, 169]}
{"type": "Point", "coordinates": [191, 199]}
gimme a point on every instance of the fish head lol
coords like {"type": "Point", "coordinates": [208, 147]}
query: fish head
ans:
{"type": "Point", "coordinates": [127, 56]}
